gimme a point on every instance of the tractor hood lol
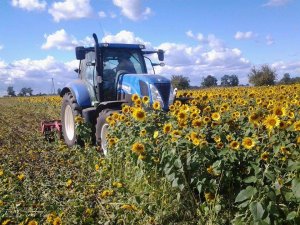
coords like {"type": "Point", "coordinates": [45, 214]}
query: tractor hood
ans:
{"type": "Point", "coordinates": [157, 87]}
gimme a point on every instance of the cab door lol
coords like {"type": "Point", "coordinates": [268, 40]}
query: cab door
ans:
{"type": "Point", "coordinates": [88, 73]}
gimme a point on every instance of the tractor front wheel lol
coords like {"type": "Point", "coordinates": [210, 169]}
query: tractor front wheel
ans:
{"type": "Point", "coordinates": [102, 129]}
{"type": "Point", "coordinates": [70, 109]}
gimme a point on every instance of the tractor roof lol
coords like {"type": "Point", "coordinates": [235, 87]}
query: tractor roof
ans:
{"type": "Point", "coordinates": [117, 45]}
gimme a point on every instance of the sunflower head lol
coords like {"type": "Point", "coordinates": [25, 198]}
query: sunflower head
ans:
{"type": "Point", "coordinates": [156, 105]}
{"type": "Point", "coordinates": [215, 116]}
{"type": "Point", "coordinates": [139, 114]}
{"type": "Point", "coordinates": [271, 121]}
{"type": "Point", "coordinates": [167, 128]}
{"type": "Point", "coordinates": [138, 148]}
{"type": "Point", "coordinates": [248, 143]}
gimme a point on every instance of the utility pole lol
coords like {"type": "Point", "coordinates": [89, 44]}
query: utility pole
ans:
{"type": "Point", "coordinates": [53, 87]}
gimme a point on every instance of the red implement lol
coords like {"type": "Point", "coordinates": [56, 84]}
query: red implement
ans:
{"type": "Point", "coordinates": [49, 128]}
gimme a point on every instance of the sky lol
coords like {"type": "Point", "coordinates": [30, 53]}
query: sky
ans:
{"type": "Point", "coordinates": [199, 37]}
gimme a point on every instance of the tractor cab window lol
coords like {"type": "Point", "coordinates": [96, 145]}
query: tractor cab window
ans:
{"type": "Point", "coordinates": [117, 62]}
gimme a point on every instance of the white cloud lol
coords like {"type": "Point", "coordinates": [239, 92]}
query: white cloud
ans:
{"type": "Point", "coordinates": [244, 35]}
{"type": "Point", "coordinates": [36, 74]}
{"type": "Point", "coordinates": [29, 5]}
{"type": "Point", "coordinates": [70, 9]}
{"type": "Point", "coordinates": [269, 40]}
{"type": "Point", "coordinates": [282, 67]}
{"type": "Point", "coordinates": [62, 41]}
{"type": "Point", "coordinates": [274, 3]}
{"type": "Point", "coordinates": [102, 14]}
{"type": "Point", "coordinates": [1, 47]}
{"type": "Point", "coordinates": [132, 9]}
{"type": "Point", "coordinates": [124, 36]}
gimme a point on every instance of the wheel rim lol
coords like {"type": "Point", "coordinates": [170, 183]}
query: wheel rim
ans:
{"type": "Point", "coordinates": [104, 131]}
{"type": "Point", "coordinates": [69, 123]}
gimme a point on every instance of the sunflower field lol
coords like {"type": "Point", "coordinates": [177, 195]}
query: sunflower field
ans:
{"type": "Point", "coordinates": [225, 156]}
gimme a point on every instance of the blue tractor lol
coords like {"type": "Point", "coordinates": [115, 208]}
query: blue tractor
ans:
{"type": "Point", "coordinates": [108, 75]}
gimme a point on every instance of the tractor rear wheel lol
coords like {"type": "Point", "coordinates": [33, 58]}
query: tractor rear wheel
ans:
{"type": "Point", "coordinates": [69, 110]}
{"type": "Point", "coordinates": [102, 129]}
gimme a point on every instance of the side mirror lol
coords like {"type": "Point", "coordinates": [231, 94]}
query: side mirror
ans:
{"type": "Point", "coordinates": [158, 64]}
{"type": "Point", "coordinates": [80, 52]}
{"type": "Point", "coordinates": [160, 54]}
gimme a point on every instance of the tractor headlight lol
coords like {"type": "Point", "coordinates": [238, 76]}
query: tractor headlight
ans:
{"type": "Point", "coordinates": [172, 95]}
{"type": "Point", "coordinates": [156, 95]}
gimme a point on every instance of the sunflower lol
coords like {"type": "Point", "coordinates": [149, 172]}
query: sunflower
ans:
{"type": "Point", "coordinates": [143, 132]}
{"type": "Point", "coordinates": [209, 197]}
{"type": "Point", "coordinates": [234, 145]}
{"type": "Point", "coordinates": [254, 118]}
{"type": "Point", "coordinates": [197, 122]}
{"type": "Point", "coordinates": [291, 115]}
{"type": "Point", "coordinates": [139, 114]}
{"type": "Point", "coordinates": [298, 140]}
{"type": "Point", "coordinates": [248, 143]}
{"type": "Point", "coordinates": [279, 111]}
{"type": "Point", "coordinates": [167, 128]}
{"type": "Point", "coordinates": [215, 116]}
{"type": "Point", "coordinates": [50, 217]}
{"type": "Point", "coordinates": [210, 170]}
{"type": "Point", "coordinates": [135, 97]}
{"type": "Point", "coordinates": [196, 141]}
{"type": "Point", "coordinates": [146, 99]}
{"type": "Point", "coordinates": [297, 126]}
{"type": "Point", "coordinates": [206, 119]}
{"type": "Point", "coordinates": [156, 105]}
{"type": "Point", "coordinates": [284, 150]}
{"type": "Point", "coordinates": [21, 176]}
{"type": "Point", "coordinates": [264, 156]}
{"type": "Point", "coordinates": [125, 109]}
{"type": "Point", "coordinates": [182, 116]}
{"type": "Point", "coordinates": [105, 194]}
{"type": "Point", "coordinates": [172, 108]}
{"type": "Point", "coordinates": [57, 221]}
{"type": "Point", "coordinates": [32, 222]}
{"type": "Point", "coordinates": [229, 137]}
{"type": "Point", "coordinates": [129, 207]}
{"type": "Point", "coordinates": [138, 148]}
{"type": "Point", "coordinates": [271, 121]}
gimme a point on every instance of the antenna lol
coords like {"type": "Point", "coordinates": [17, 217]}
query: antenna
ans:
{"type": "Point", "coordinates": [52, 88]}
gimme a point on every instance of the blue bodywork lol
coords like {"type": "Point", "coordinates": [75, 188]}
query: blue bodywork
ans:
{"type": "Point", "coordinates": [130, 84]}
{"type": "Point", "coordinates": [79, 90]}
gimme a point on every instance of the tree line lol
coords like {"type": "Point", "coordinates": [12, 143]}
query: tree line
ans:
{"type": "Point", "coordinates": [25, 91]}
{"type": "Point", "coordinates": [262, 76]}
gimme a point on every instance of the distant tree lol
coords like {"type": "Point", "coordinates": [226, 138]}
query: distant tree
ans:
{"type": "Point", "coordinates": [24, 91]}
{"type": "Point", "coordinates": [263, 76]}
{"type": "Point", "coordinates": [286, 79]}
{"type": "Point", "coordinates": [10, 91]}
{"type": "Point", "coordinates": [58, 91]}
{"type": "Point", "coordinates": [229, 80]}
{"type": "Point", "coordinates": [209, 81]}
{"type": "Point", "coordinates": [180, 82]}
{"type": "Point", "coordinates": [29, 91]}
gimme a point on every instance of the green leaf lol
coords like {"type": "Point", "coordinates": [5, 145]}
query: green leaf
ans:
{"type": "Point", "coordinates": [178, 163]}
{"type": "Point", "coordinates": [251, 179]}
{"type": "Point", "coordinates": [291, 215]}
{"type": "Point", "coordinates": [296, 187]}
{"type": "Point", "coordinates": [257, 210]}
{"type": "Point", "coordinates": [245, 194]}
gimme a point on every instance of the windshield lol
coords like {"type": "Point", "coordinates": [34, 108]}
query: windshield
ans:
{"type": "Point", "coordinates": [129, 60]}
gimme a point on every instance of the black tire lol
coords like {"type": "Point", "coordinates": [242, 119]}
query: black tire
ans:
{"type": "Point", "coordinates": [69, 110]}
{"type": "Point", "coordinates": [101, 129]}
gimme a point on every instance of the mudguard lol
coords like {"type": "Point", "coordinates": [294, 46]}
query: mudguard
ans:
{"type": "Point", "coordinates": [79, 91]}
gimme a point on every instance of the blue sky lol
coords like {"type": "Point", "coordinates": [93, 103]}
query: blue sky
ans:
{"type": "Point", "coordinates": [200, 38]}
